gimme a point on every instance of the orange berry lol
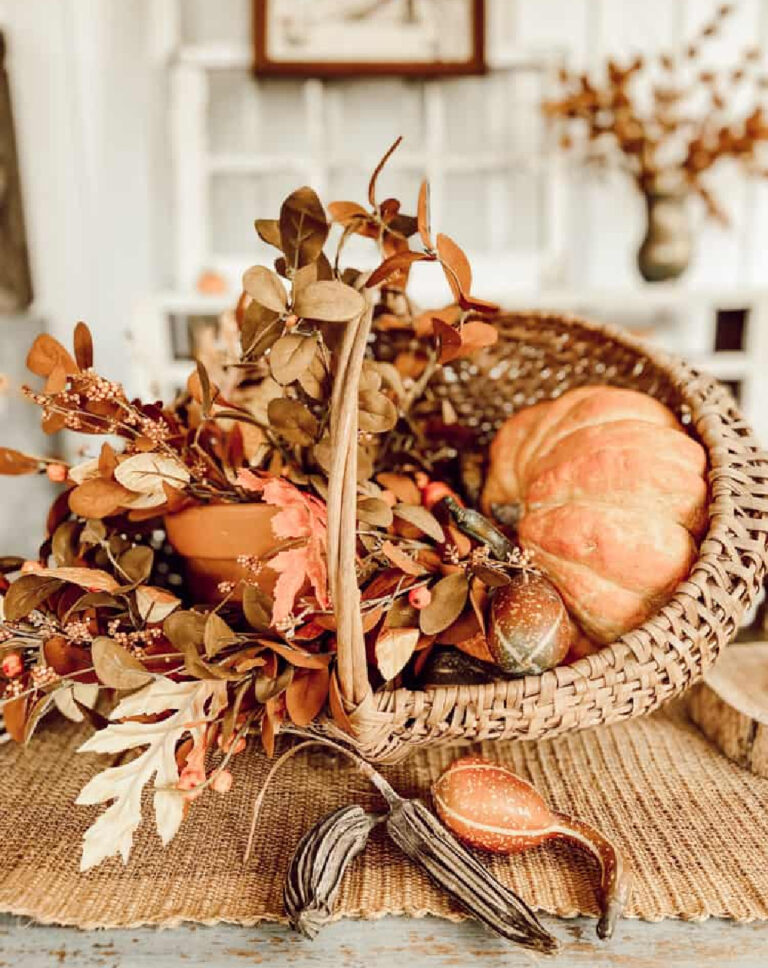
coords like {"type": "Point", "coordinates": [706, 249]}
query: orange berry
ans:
{"type": "Point", "coordinates": [420, 597]}
{"type": "Point", "coordinates": [12, 665]}
{"type": "Point", "coordinates": [56, 473]}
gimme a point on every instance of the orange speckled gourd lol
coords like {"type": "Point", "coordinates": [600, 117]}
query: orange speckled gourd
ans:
{"type": "Point", "coordinates": [611, 499]}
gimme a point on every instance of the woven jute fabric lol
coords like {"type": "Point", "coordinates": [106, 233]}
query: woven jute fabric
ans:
{"type": "Point", "coordinates": [693, 825]}
{"type": "Point", "coordinates": [538, 357]}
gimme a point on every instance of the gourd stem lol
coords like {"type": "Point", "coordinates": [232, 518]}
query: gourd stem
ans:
{"type": "Point", "coordinates": [615, 880]}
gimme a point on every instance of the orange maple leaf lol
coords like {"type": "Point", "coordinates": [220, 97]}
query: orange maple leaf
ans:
{"type": "Point", "coordinates": [301, 515]}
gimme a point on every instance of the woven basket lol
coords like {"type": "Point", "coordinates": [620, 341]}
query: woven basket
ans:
{"type": "Point", "coordinates": [538, 357]}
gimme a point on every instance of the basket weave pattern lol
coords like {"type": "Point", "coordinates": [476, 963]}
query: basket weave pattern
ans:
{"type": "Point", "coordinates": [539, 356]}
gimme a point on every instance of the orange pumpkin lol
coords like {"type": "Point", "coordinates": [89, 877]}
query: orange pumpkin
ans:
{"type": "Point", "coordinates": [611, 500]}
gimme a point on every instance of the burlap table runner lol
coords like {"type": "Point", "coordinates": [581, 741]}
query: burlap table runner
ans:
{"type": "Point", "coordinates": [694, 825]}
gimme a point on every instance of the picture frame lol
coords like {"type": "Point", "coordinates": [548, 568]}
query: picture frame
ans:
{"type": "Point", "coordinates": [344, 38]}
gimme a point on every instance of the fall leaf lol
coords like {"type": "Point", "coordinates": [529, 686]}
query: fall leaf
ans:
{"type": "Point", "coordinates": [401, 560]}
{"type": "Point", "coordinates": [97, 498]}
{"type": "Point", "coordinates": [83, 346]}
{"type": "Point", "coordinates": [455, 266]}
{"type": "Point", "coordinates": [268, 230]}
{"type": "Point", "coordinates": [292, 420]}
{"type": "Point", "coordinates": [348, 213]}
{"type": "Point", "coordinates": [145, 473]}
{"type": "Point", "coordinates": [329, 301]}
{"type": "Point", "coordinates": [155, 604]}
{"type": "Point", "coordinates": [376, 414]}
{"type": "Point", "coordinates": [449, 596]}
{"type": "Point", "coordinates": [193, 705]}
{"type": "Point", "coordinates": [420, 518]}
{"type": "Point", "coordinates": [301, 515]}
{"type": "Point", "coordinates": [303, 227]}
{"type": "Point", "coordinates": [92, 579]}
{"type": "Point", "coordinates": [217, 635]}
{"type": "Point", "coordinates": [449, 341]}
{"type": "Point", "coordinates": [115, 666]}
{"type": "Point", "coordinates": [394, 266]}
{"type": "Point", "coordinates": [266, 288]}
{"type": "Point", "coordinates": [394, 647]}
{"type": "Point", "coordinates": [291, 356]}
{"type": "Point", "coordinates": [47, 354]}
{"type": "Point", "coordinates": [257, 608]}
{"type": "Point", "coordinates": [14, 462]}
{"type": "Point", "coordinates": [306, 695]}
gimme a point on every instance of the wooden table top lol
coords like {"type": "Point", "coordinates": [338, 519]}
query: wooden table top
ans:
{"type": "Point", "coordinates": [388, 943]}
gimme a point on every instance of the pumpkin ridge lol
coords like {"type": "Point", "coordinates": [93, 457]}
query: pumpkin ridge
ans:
{"type": "Point", "coordinates": [553, 438]}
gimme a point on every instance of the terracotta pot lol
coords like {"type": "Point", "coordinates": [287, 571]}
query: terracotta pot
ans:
{"type": "Point", "coordinates": [211, 538]}
{"type": "Point", "coordinates": [666, 248]}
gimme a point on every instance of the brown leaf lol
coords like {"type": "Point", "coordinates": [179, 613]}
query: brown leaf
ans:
{"type": "Point", "coordinates": [98, 498]}
{"type": "Point", "coordinates": [473, 304]}
{"type": "Point", "coordinates": [449, 341]}
{"type": "Point", "coordinates": [65, 541]}
{"type": "Point", "coordinates": [137, 563]}
{"type": "Point", "coordinates": [13, 462]}
{"type": "Point", "coordinates": [377, 414]}
{"type": "Point", "coordinates": [306, 695]}
{"type": "Point", "coordinates": [185, 629]}
{"type": "Point", "coordinates": [92, 579]}
{"type": "Point", "coordinates": [217, 635]}
{"type": "Point", "coordinates": [47, 353]}
{"type": "Point", "coordinates": [115, 666]}
{"type": "Point", "coordinates": [266, 288]}
{"type": "Point", "coordinates": [26, 594]}
{"type": "Point", "coordinates": [291, 356]}
{"type": "Point", "coordinates": [15, 717]}
{"type": "Point", "coordinates": [401, 560]}
{"type": "Point", "coordinates": [422, 216]}
{"type": "Point", "coordinates": [299, 658]}
{"type": "Point", "coordinates": [257, 608]}
{"type": "Point", "coordinates": [292, 421]}
{"type": "Point", "coordinates": [107, 461]}
{"type": "Point", "coordinates": [377, 171]}
{"type": "Point", "coordinates": [268, 230]}
{"type": "Point", "coordinates": [455, 266]}
{"type": "Point", "coordinates": [261, 328]}
{"type": "Point", "coordinates": [329, 301]}
{"type": "Point", "coordinates": [313, 379]}
{"type": "Point", "coordinates": [449, 596]}
{"type": "Point", "coordinates": [303, 227]}
{"type": "Point", "coordinates": [374, 511]}
{"type": "Point", "coordinates": [395, 265]}
{"type": "Point", "coordinates": [403, 487]}
{"type": "Point", "coordinates": [421, 518]}
{"type": "Point", "coordinates": [476, 335]}
{"type": "Point", "coordinates": [394, 647]}
{"type": "Point", "coordinates": [347, 213]}
{"type": "Point", "coordinates": [83, 346]}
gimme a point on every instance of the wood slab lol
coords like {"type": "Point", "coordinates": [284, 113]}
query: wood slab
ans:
{"type": "Point", "coordinates": [731, 705]}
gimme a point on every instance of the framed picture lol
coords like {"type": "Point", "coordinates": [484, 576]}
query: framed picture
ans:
{"type": "Point", "coordinates": [336, 38]}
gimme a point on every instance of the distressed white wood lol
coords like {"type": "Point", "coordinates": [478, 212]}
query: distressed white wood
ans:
{"type": "Point", "coordinates": [417, 943]}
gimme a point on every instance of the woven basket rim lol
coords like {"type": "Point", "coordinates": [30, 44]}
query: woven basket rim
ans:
{"type": "Point", "coordinates": [723, 509]}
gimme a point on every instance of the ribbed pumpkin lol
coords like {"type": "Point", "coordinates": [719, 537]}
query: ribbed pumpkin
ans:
{"type": "Point", "coordinates": [610, 497]}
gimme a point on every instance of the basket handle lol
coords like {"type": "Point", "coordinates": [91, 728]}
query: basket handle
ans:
{"type": "Point", "coordinates": [342, 510]}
